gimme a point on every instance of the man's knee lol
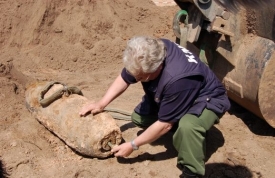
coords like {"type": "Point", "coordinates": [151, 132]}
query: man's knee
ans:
{"type": "Point", "coordinates": [143, 121]}
{"type": "Point", "coordinates": [187, 123]}
{"type": "Point", "coordinates": [136, 119]}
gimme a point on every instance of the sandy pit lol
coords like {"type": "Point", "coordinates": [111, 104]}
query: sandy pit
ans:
{"type": "Point", "coordinates": [80, 43]}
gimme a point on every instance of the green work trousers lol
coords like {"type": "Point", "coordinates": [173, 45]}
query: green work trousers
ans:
{"type": "Point", "coordinates": [189, 138]}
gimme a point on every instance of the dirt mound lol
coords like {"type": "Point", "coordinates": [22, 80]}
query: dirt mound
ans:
{"type": "Point", "coordinates": [80, 43]}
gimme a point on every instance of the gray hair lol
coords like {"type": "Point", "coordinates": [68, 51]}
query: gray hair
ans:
{"type": "Point", "coordinates": [234, 5]}
{"type": "Point", "coordinates": [143, 55]}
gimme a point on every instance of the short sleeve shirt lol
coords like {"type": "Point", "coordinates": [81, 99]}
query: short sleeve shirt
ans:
{"type": "Point", "coordinates": [177, 98]}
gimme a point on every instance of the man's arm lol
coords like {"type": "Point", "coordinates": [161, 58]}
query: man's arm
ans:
{"type": "Point", "coordinates": [116, 89]}
{"type": "Point", "coordinates": [151, 134]}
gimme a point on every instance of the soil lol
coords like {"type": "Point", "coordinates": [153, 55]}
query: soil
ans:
{"type": "Point", "coordinates": [80, 43]}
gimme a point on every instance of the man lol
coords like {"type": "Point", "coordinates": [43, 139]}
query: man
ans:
{"type": "Point", "coordinates": [180, 90]}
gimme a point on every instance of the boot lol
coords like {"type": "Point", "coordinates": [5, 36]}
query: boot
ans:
{"type": "Point", "coordinates": [186, 173]}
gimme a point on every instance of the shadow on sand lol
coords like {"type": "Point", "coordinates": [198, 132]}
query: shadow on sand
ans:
{"type": "Point", "coordinates": [222, 170]}
{"type": "Point", "coordinates": [214, 140]}
{"type": "Point", "coordinates": [3, 172]}
{"type": "Point", "coordinates": [255, 124]}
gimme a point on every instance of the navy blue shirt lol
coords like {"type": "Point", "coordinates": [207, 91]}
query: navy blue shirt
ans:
{"type": "Point", "coordinates": [185, 85]}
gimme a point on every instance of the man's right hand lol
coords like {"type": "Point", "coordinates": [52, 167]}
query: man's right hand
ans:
{"type": "Point", "coordinates": [90, 107]}
{"type": "Point", "coordinates": [117, 87]}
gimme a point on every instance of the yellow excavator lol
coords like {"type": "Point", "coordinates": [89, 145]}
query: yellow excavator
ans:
{"type": "Point", "coordinates": [235, 38]}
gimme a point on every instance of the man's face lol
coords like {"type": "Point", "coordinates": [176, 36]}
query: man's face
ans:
{"type": "Point", "coordinates": [146, 77]}
{"type": "Point", "coordinates": [141, 77]}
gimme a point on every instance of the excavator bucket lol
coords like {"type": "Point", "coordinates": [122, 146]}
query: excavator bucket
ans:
{"type": "Point", "coordinates": [237, 45]}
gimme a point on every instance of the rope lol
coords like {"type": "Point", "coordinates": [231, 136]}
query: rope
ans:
{"type": "Point", "coordinates": [44, 102]}
{"type": "Point", "coordinates": [119, 114]}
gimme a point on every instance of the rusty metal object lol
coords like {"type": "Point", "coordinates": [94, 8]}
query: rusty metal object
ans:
{"type": "Point", "coordinates": [89, 136]}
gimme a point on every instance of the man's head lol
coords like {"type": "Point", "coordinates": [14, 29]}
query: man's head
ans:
{"type": "Point", "coordinates": [143, 56]}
